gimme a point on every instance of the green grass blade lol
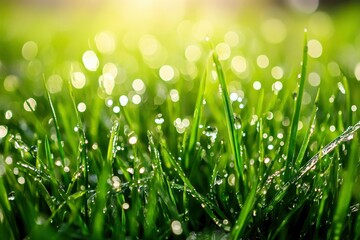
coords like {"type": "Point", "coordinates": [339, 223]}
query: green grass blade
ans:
{"type": "Point", "coordinates": [357, 227]}
{"type": "Point", "coordinates": [296, 113]}
{"type": "Point", "coordinates": [57, 128]}
{"type": "Point", "coordinates": [82, 164]}
{"type": "Point", "coordinates": [309, 132]}
{"type": "Point", "coordinates": [285, 221]}
{"type": "Point", "coordinates": [321, 212]}
{"type": "Point", "coordinates": [196, 120]}
{"type": "Point", "coordinates": [208, 206]}
{"type": "Point", "coordinates": [48, 157]}
{"type": "Point", "coordinates": [229, 115]}
{"type": "Point", "coordinates": [345, 83]}
{"type": "Point", "coordinates": [111, 151]}
{"type": "Point", "coordinates": [347, 135]}
{"type": "Point", "coordinates": [161, 185]}
{"type": "Point", "coordinates": [261, 147]}
{"type": "Point", "coordinates": [245, 211]}
{"type": "Point", "coordinates": [6, 212]}
{"type": "Point", "coordinates": [98, 217]}
{"type": "Point", "coordinates": [343, 202]}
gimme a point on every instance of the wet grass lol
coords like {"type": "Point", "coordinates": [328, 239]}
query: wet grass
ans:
{"type": "Point", "coordinates": [211, 155]}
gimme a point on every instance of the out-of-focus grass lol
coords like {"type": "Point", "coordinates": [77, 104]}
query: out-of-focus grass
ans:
{"type": "Point", "coordinates": [118, 125]}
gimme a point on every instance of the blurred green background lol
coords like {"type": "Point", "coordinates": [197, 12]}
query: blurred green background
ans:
{"type": "Point", "coordinates": [141, 50]}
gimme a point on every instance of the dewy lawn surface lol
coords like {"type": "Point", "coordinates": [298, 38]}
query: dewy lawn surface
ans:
{"type": "Point", "coordinates": [141, 123]}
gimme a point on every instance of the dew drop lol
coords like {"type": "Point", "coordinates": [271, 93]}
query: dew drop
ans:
{"type": "Point", "coordinates": [176, 227]}
{"type": "Point", "coordinates": [11, 196]}
{"type": "Point", "coordinates": [211, 132]}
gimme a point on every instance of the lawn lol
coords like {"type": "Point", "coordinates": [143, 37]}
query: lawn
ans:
{"type": "Point", "coordinates": [158, 120]}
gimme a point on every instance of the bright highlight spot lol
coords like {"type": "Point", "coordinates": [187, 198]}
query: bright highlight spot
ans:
{"type": "Point", "coordinates": [81, 107]}
{"type": "Point", "coordinates": [138, 85]}
{"type": "Point", "coordinates": [234, 96]}
{"type": "Point", "coordinates": [110, 68]}
{"type": "Point", "coordinates": [105, 42]}
{"type": "Point", "coordinates": [54, 84]}
{"type": "Point", "coordinates": [3, 131]}
{"type": "Point", "coordinates": [315, 48]}
{"type": "Point", "coordinates": [277, 86]}
{"type": "Point", "coordinates": [29, 50]}
{"type": "Point", "coordinates": [78, 80]}
{"type": "Point", "coordinates": [30, 105]}
{"type": "Point", "coordinates": [125, 206]}
{"type": "Point", "coordinates": [90, 60]}
{"type": "Point", "coordinates": [8, 114]}
{"type": "Point", "coordinates": [11, 83]}
{"type": "Point", "coordinates": [116, 109]}
{"type": "Point", "coordinates": [21, 180]}
{"type": "Point", "coordinates": [107, 82]}
{"type": "Point", "coordinates": [174, 95]}
{"type": "Point", "coordinates": [193, 53]}
{"type": "Point", "coordinates": [239, 64]}
{"type": "Point", "coordinates": [262, 61]}
{"type": "Point", "coordinates": [223, 50]}
{"type": "Point", "coordinates": [314, 79]}
{"type": "Point", "coordinates": [176, 227]}
{"type": "Point", "coordinates": [332, 128]}
{"type": "Point", "coordinates": [136, 99]}
{"type": "Point", "coordinates": [277, 72]}
{"type": "Point", "coordinates": [132, 140]}
{"type": "Point", "coordinates": [181, 124]}
{"type": "Point", "coordinates": [357, 71]}
{"type": "Point", "coordinates": [166, 73]}
{"type": "Point", "coordinates": [273, 30]}
{"type": "Point", "coordinates": [123, 100]}
{"type": "Point", "coordinates": [109, 102]}
{"type": "Point", "coordinates": [257, 85]}
{"type": "Point", "coordinates": [341, 87]}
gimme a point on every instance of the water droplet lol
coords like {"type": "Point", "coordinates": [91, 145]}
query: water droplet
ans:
{"type": "Point", "coordinates": [231, 180]}
{"type": "Point", "coordinates": [176, 227]}
{"type": "Point", "coordinates": [211, 132]}
{"type": "Point", "coordinates": [130, 170]}
{"type": "Point", "coordinates": [237, 122]}
{"type": "Point", "coordinates": [219, 181]}
{"type": "Point", "coordinates": [294, 95]}
{"type": "Point", "coordinates": [11, 196]}
{"type": "Point", "coordinates": [125, 206]}
{"type": "Point", "coordinates": [133, 140]}
{"type": "Point", "coordinates": [33, 151]}
{"type": "Point", "coordinates": [159, 119]}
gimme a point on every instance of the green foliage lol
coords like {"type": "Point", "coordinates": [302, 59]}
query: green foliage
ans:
{"type": "Point", "coordinates": [215, 147]}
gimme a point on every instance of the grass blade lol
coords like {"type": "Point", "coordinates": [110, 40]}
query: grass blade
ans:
{"type": "Point", "coordinates": [296, 114]}
{"type": "Point", "coordinates": [196, 120]}
{"type": "Point", "coordinates": [244, 214]}
{"type": "Point", "coordinates": [112, 145]}
{"type": "Point", "coordinates": [229, 115]}
{"type": "Point", "coordinates": [57, 128]}
{"type": "Point", "coordinates": [8, 217]}
{"type": "Point", "coordinates": [308, 134]}
{"type": "Point", "coordinates": [285, 221]}
{"type": "Point", "coordinates": [345, 194]}
{"type": "Point", "coordinates": [209, 207]}
{"type": "Point", "coordinates": [347, 135]}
